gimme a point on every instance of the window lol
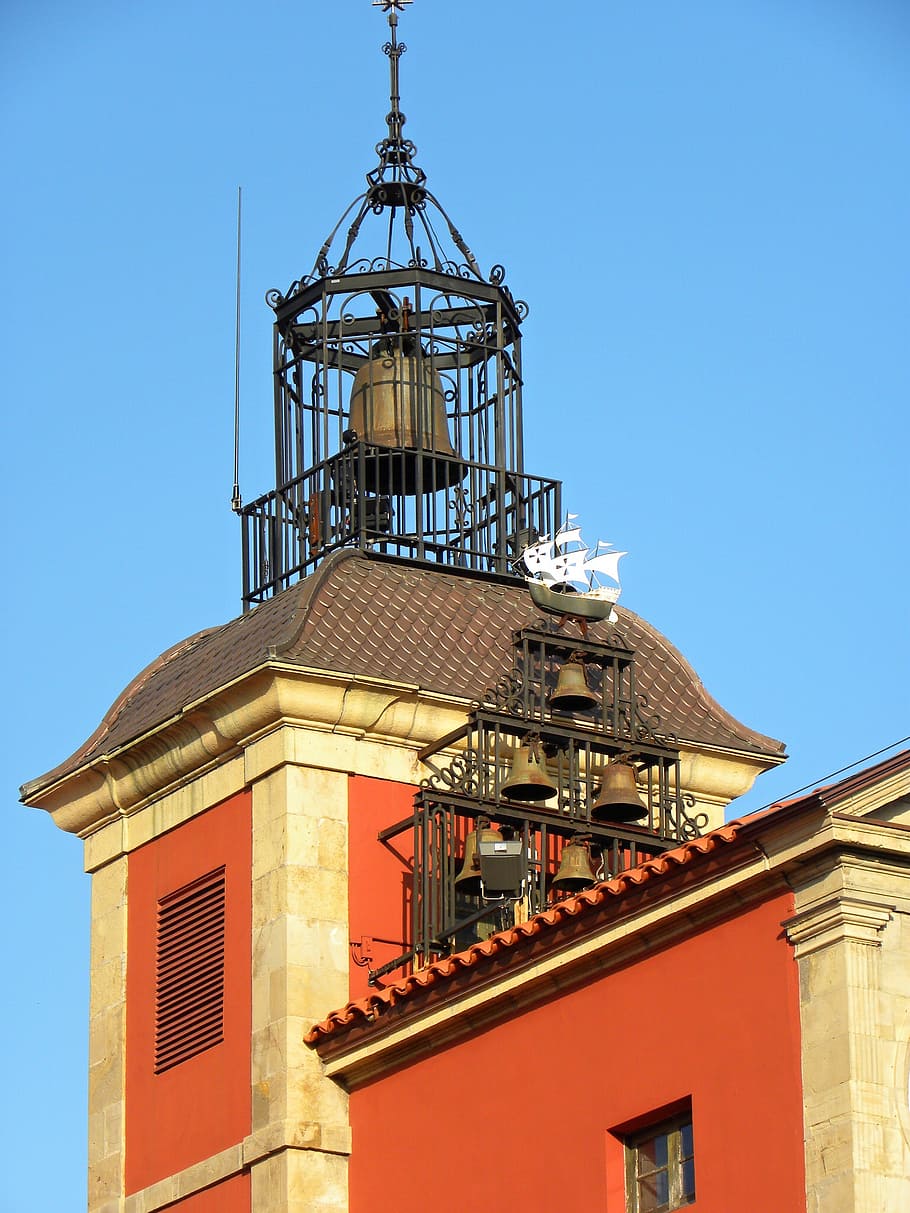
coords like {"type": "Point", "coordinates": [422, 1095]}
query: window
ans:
{"type": "Point", "coordinates": [660, 1166]}
{"type": "Point", "coordinates": [189, 977]}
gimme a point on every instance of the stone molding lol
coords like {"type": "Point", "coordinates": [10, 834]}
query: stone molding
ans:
{"type": "Point", "coordinates": [838, 919]}
{"type": "Point", "coordinates": [292, 744]}
{"type": "Point", "coordinates": [206, 733]}
{"type": "Point", "coordinates": [186, 1183]}
{"type": "Point", "coordinates": [209, 734]}
{"type": "Point", "coordinates": [288, 1135]}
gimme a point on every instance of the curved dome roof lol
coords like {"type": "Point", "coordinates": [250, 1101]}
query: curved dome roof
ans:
{"type": "Point", "coordinates": [435, 628]}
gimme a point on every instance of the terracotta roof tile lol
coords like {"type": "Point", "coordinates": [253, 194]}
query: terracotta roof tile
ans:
{"type": "Point", "coordinates": [504, 944]}
{"type": "Point", "coordinates": [369, 1010]}
{"type": "Point", "coordinates": [421, 625]}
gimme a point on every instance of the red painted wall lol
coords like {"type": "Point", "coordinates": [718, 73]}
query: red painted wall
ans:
{"type": "Point", "coordinates": [201, 1106]}
{"type": "Point", "coordinates": [232, 1196]}
{"type": "Point", "coordinates": [520, 1116]}
{"type": "Point", "coordinates": [379, 890]}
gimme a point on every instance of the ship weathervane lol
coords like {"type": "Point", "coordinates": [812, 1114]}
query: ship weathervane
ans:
{"type": "Point", "coordinates": [566, 577]}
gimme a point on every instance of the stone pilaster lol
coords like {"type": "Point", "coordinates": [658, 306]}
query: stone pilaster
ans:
{"type": "Point", "coordinates": [107, 1029]}
{"type": "Point", "coordinates": [300, 1136]}
{"type": "Point", "coordinates": [856, 1161]}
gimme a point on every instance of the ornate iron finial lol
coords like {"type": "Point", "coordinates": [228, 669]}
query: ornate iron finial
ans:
{"type": "Point", "coordinates": [397, 186]}
{"type": "Point", "coordinates": [394, 49]}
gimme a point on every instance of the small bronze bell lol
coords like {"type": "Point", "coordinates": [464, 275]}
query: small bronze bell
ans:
{"type": "Point", "coordinates": [619, 798]}
{"type": "Point", "coordinates": [572, 693]}
{"type": "Point", "coordinates": [468, 879]}
{"type": "Point", "coordinates": [575, 869]}
{"type": "Point", "coordinates": [528, 779]}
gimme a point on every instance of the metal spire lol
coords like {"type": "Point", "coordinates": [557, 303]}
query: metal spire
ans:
{"type": "Point", "coordinates": [394, 50]}
{"type": "Point", "coordinates": [397, 186]}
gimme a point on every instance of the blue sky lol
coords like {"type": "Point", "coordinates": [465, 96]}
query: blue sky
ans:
{"type": "Point", "coordinates": [704, 206]}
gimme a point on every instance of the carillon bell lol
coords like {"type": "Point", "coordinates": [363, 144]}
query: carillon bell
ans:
{"type": "Point", "coordinates": [572, 693]}
{"type": "Point", "coordinates": [468, 879]}
{"type": "Point", "coordinates": [619, 798]}
{"type": "Point", "coordinates": [528, 779]}
{"type": "Point", "coordinates": [575, 869]}
{"type": "Point", "coordinates": [397, 402]}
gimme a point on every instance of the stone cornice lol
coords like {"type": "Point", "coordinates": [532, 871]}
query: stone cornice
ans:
{"type": "Point", "coordinates": [207, 732]}
{"type": "Point", "coordinates": [327, 1139]}
{"type": "Point", "coordinates": [837, 919]}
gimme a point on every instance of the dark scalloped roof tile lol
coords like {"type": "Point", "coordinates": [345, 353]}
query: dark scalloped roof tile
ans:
{"type": "Point", "coordinates": [428, 626]}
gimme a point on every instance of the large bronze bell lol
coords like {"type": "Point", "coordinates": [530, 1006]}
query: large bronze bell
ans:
{"type": "Point", "coordinates": [468, 879]}
{"type": "Point", "coordinates": [397, 402]}
{"type": "Point", "coordinates": [572, 693]}
{"type": "Point", "coordinates": [528, 779]}
{"type": "Point", "coordinates": [575, 869]}
{"type": "Point", "coordinates": [619, 798]}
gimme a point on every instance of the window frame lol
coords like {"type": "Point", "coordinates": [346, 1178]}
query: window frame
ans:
{"type": "Point", "coordinates": [672, 1128]}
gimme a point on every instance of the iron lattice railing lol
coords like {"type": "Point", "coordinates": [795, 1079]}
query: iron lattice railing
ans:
{"type": "Point", "coordinates": [479, 517]}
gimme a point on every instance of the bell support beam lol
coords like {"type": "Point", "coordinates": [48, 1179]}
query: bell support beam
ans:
{"type": "Point", "coordinates": [427, 322]}
{"type": "Point", "coordinates": [606, 745]}
{"type": "Point", "coordinates": [286, 308]}
{"type": "Point", "coordinates": [555, 822]}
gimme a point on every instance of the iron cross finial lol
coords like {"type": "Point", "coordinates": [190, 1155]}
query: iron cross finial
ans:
{"type": "Point", "coordinates": [388, 5]}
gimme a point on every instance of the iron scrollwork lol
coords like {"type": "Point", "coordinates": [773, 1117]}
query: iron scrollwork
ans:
{"type": "Point", "coordinates": [506, 695]}
{"type": "Point", "coordinates": [687, 825]}
{"type": "Point", "coordinates": [462, 776]}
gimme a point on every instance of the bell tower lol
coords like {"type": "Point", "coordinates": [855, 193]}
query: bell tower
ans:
{"type": "Point", "coordinates": [398, 392]}
{"type": "Point", "coordinates": [387, 755]}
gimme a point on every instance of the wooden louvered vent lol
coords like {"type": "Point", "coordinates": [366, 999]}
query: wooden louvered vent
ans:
{"type": "Point", "coordinates": [189, 993]}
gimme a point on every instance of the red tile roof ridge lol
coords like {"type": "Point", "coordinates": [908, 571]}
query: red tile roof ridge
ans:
{"type": "Point", "coordinates": [367, 1010]}
{"type": "Point", "coordinates": [828, 795]}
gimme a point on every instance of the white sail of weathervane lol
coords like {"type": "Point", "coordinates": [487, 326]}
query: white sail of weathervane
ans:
{"type": "Point", "coordinates": [538, 559]}
{"type": "Point", "coordinates": [570, 566]}
{"type": "Point", "coordinates": [569, 533]}
{"type": "Point", "coordinates": [606, 563]}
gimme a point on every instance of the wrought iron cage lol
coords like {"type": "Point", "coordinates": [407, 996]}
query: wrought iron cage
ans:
{"type": "Point", "coordinates": [443, 483]}
{"type": "Point", "coordinates": [471, 785]}
{"type": "Point", "coordinates": [446, 919]}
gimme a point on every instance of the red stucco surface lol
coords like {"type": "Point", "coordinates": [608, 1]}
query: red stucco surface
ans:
{"type": "Point", "coordinates": [231, 1196]}
{"type": "Point", "coordinates": [201, 1106]}
{"type": "Point", "coordinates": [528, 1114]}
{"type": "Point", "coordinates": [379, 890]}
